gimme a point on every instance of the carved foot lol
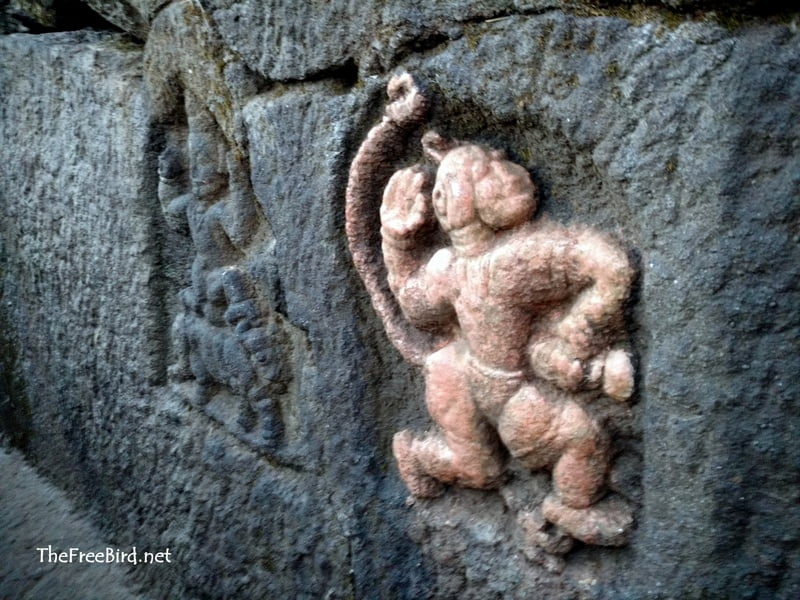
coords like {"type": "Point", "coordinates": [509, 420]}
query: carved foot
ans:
{"type": "Point", "coordinates": [538, 532]}
{"type": "Point", "coordinates": [419, 483]}
{"type": "Point", "coordinates": [606, 523]}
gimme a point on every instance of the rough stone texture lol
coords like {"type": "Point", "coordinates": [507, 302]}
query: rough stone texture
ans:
{"type": "Point", "coordinates": [37, 16]}
{"type": "Point", "coordinates": [103, 423]}
{"type": "Point", "coordinates": [683, 141]}
{"type": "Point", "coordinates": [133, 16]}
{"type": "Point", "coordinates": [33, 512]}
{"type": "Point", "coordinates": [19, 15]}
{"type": "Point", "coordinates": [282, 37]}
{"type": "Point", "coordinates": [83, 236]}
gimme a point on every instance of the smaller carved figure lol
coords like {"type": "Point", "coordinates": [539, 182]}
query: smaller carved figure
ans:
{"type": "Point", "coordinates": [524, 317]}
{"type": "Point", "coordinates": [225, 337]}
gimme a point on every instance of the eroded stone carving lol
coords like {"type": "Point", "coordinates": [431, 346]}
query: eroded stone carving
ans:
{"type": "Point", "coordinates": [232, 351]}
{"type": "Point", "coordinates": [517, 323]}
{"type": "Point", "coordinates": [226, 337]}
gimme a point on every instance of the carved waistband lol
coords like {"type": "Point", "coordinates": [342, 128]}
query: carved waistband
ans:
{"type": "Point", "coordinates": [495, 372]}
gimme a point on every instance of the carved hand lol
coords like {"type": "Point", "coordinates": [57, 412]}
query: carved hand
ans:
{"type": "Point", "coordinates": [406, 208]}
{"type": "Point", "coordinates": [408, 106]}
{"type": "Point", "coordinates": [553, 360]}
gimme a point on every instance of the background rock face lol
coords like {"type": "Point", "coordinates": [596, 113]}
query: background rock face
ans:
{"type": "Point", "coordinates": [679, 138]}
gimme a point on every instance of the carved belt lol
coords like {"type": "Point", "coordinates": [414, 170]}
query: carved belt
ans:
{"type": "Point", "coordinates": [492, 387]}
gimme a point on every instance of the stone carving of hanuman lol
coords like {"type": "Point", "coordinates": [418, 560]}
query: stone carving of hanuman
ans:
{"type": "Point", "coordinates": [510, 319]}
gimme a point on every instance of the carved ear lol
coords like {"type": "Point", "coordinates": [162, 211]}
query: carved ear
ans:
{"type": "Point", "coordinates": [435, 146]}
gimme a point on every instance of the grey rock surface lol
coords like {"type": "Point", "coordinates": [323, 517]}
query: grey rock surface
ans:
{"type": "Point", "coordinates": [36, 519]}
{"type": "Point", "coordinates": [133, 16]}
{"type": "Point", "coordinates": [20, 15]}
{"type": "Point", "coordinates": [681, 141]}
{"type": "Point", "coordinates": [92, 332]}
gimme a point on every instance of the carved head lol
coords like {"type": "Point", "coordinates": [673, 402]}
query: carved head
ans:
{"type": "Point", "coordinates": [170, 164]}
{"type": "Point", "coordinates": [478, 184]}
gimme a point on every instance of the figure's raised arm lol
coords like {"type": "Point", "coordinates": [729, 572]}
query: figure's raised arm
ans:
{"type": "Point", "coordinates": [375, 160]}
{"type": "Point", "coordinates": [418, 277]}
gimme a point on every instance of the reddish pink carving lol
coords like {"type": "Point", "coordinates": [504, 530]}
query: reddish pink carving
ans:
{"type": "Point", "coordinates": [511, 320]}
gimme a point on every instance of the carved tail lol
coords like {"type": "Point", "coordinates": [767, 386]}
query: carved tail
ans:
{"type": "Point", "coordinates": [369, 174]}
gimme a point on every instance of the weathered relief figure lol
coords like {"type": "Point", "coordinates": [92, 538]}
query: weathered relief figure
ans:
{"type": "Point", "coordinates": [514, 321]}
{"type": "Point", "coordinates": [231, 350]}
{"type": "Point", "coordinates": [223, 337]}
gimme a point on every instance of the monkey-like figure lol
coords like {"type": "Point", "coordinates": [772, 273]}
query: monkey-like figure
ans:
{"type": "Point", "coordinates": [523, 315]}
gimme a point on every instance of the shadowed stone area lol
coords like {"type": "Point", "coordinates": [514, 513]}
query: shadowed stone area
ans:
{"type": "Point", "coordinates": [36, 514]}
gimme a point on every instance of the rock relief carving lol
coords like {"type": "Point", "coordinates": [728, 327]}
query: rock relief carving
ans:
{"type": "Point", "coordinates": [517, 323]}
{"type": "Point", "coordinates": [232, 350]}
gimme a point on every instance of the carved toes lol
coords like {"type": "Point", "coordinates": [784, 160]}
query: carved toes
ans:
{"type": "Point", "coordinates": [606, 523]}
{"type": "Point", "coordinates": [539, 532]}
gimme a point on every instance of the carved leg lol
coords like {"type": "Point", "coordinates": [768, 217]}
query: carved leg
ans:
{"type": "Point", "coordinates": [466, 451]}
{"type": "Point", "coordinates": [181, 370]}
{"type": "Point", "coordinates": [578, 482]}
{"type": "Point", "coordinates": [544, 431]}
{"type": "Point", "coordinates": [579, 475]}
{"type": "Point", "coordinates": [272, 427]}
{"type": "Point", "coordinates": [528, 427]}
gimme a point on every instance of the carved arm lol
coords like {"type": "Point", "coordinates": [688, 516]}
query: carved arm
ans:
{"type": "Point", "coordinates": [580, 351]}
{"type": "Point", "coordinates": [595, 315]}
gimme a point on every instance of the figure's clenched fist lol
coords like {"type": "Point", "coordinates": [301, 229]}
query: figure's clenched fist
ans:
{"type": "Point", "coordinates": [553, 360]}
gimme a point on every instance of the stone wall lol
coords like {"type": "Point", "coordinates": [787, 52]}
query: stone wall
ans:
{"type": "Point", "coordinates": [268, 471]}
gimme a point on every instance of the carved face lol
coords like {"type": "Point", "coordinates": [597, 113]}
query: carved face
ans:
{"type": "Point", "coordinates": [474, 184]}
{"type": "Point", "coordinates": [453, 195]}
{"type": "Point", "coordinates": [207, 183]}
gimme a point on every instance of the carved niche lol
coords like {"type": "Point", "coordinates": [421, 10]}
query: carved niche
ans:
{"type": "Point", "coordinates": [516, 322]}
{"type": "Point", "coordinates": [232, 351]}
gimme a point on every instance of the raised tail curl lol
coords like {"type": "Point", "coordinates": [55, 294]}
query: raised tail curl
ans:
{"type": "Point", "coordinates": [370, 171]}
